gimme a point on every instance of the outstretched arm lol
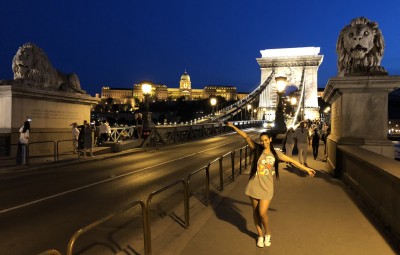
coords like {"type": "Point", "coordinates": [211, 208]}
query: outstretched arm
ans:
{"type": "Point", "coordinates": [242, 134]}
{"type": "Point", "coordinates": [283, 157]}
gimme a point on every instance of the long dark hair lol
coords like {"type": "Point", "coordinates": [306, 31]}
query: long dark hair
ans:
{"type": "Point", "coordinates": [27, 126]}
{"type": "Point", "coordinates": [257, 153]}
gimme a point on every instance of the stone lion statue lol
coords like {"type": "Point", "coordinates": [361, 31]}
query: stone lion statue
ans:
{"type": "Point", "coordinates": [32, 67]}
{"type": "Point", "coordinates": [360, 48]}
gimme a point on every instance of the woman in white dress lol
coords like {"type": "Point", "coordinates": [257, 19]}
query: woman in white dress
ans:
{"type": "Point", "coordinates": [260, 188]}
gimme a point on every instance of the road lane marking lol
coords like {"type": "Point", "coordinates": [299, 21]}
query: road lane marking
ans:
{"type": "Point", "coordinates": [106, 180]}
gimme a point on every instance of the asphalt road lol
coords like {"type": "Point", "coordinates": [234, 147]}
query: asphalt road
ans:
{"type": "Point", "coordinates": [42, 211]}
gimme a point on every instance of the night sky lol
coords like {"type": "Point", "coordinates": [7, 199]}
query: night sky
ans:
{"type": "Point", "coordinates": [120, 43]}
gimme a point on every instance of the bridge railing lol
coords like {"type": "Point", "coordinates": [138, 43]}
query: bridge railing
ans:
{"type": "Point", "coordinates": [85, 229]}
{"type": "Point", "coordinates": [121, 133]}
{"type": "Point", "coordinates": [42, 142]}
{"type": "Point", "coordinates": [161, 135]}
{"type": "Point", "coordinates": [188, 186]}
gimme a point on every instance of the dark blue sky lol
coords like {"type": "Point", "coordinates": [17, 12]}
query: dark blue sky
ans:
{"type": "Point", "coordinates": [120, 43]}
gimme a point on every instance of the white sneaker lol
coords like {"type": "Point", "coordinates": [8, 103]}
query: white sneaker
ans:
{"type": "Point", "coordinates": [260, 242]}
{"type": "Point", "coordinates": [267, 241]}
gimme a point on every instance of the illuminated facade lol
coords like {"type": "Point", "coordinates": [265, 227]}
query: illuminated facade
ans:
{"type": "Point", "coordinates": [162, 92]}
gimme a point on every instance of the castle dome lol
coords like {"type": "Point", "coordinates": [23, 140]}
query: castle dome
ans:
{"type": "Point", "coordinates": [185, 77]}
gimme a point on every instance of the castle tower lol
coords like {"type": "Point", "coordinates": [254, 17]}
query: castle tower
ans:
{"type": "Point", "coordinates": [185, 86]}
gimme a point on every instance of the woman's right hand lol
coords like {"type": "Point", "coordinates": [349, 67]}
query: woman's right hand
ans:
{"type": "Point", "coordinates": [229, 124]}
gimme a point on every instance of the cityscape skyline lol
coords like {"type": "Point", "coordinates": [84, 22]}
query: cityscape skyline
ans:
{"type": "Point", "coordinates": [216, 42]}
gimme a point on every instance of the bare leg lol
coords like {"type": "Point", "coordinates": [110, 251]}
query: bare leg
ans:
{"type": "Point", "coordinates": [256, 216]}
{"type": "Point", "coordinates": [263, 212]}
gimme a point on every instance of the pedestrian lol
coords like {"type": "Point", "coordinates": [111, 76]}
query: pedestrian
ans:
{"type": "Point", "coordinates": [75, 137]}
{"type": "Point", "coordinates": [289, 141]}
{"type": "Point", "coordinates": [302, 140]}
{"type": "Point", "coordinates": [260, 187]}
{"type": "Point", "coordinates": [88, 138]}
{"type": "Point", "coordinates": [103, 132]}
{"type": "Point", "coordinates": [315, 142]}
{"type": "Point", "coordinates": [22, 150]}
{"type": "Point", "coordinates": [139, 125]}
{"type": "Point", "coordinates": [81, 137]}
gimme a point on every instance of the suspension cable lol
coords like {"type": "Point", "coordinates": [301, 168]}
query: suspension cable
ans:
{"type": "Point", "coordinates": [301, 99]}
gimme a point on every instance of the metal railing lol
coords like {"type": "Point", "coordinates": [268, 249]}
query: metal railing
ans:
{"type": "Point", "coordinates": [148, 204]}
{"type": "Point", "coordinates": [54, 149]}
{"type": "Point", "coordinates": [206, 201]}
{"type": "Point", "coordinates": [58, 151]}
{"type": "Point", "coordinates": [83, 230]}
{"type": "Point", "coordinates": [119, 133]}
{"type": "Point", "coordinates": [186, 195]}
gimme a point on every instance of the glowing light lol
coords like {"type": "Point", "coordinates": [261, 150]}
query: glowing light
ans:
{"type": "Point", "coordinates": [280, 83]}
{"type": "Point", "coordinates": [146, 88]}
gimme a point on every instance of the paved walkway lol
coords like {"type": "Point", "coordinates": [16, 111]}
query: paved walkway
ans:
{"type": "Point", "coordinates": [307, 216]}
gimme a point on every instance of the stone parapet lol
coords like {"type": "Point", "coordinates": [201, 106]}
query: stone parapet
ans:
{"type": "Point", "coordinates": [359, 112]}
{"type": "Point", "coordinates": [51, 112]}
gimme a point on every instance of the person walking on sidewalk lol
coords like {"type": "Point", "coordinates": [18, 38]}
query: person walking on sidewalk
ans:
{"type": "Point", "coordinates": [88, 138]}
{"type": "Point", "coordinates": [22, 150]}
{"type": "Point", "coordinates": [289, 142]}
{"type": "Point", "coordinates": [302, 139]}
{"type": "Point", "coordinates": [260, 187]}
{"type": "Point", "coordinates": [315, 142]}
{"type": "Point", "coordinates": [75, 137]}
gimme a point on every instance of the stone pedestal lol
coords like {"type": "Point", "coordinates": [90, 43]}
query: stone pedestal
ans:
{"type": "Point", "coordinates": [51, 112]}
{"type": "Point", "coordinates": [359, 113]}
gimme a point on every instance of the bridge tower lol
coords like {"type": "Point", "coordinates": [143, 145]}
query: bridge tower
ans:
{"type": "Point", "coordinates": [290, 63]}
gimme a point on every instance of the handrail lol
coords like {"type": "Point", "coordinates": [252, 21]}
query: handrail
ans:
{"type": "Point", "coordinates": [116, 132]}
{"type": "Point", "coordinates": [207, 169]}
{"type": "Point", "coordinates": [50, 252]}
{"type": "Point", "coordinates": [148, 248]}
{"type": "Point", "coordinates": [83, 230]}
{"type": "Point", "coordinates": [233, 164]}
{"type": "Point", "coordinates": [146, 207]}
{"type": "Point", "coordinates": [54, 149]}
{"type": "Point", "coordinates": [68, 140]}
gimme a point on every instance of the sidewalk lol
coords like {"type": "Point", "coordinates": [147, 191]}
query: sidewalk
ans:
{"type": "Point", "coordinates": [9, 168]}
{"type": "Point", "coordinates": [307, 216]}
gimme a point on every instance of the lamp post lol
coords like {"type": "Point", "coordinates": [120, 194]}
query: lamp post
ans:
{"type": "Point", "coordinates": [147, 123]}
{"type": "Point", "coordinates": [293, 102]}
{"type": "Point", "coordinates": [249, 111]}
{"type": "Point", "coordinates": [213, 102]}
{"type": "Point", "coordinates": [280, 126]}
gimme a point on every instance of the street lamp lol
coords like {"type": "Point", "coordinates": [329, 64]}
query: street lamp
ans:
{"type": "Point", "coordinates": [280, 126]}
{"type": "Point", "coordinates": [146, 89]}
{"type": "Point", "coordinates": [213, 102]}
{"type": "Point", "coordinates": [249, 110]}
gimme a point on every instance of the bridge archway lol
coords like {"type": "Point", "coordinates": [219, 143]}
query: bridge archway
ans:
{"type": "Point", "coordinates": [300, 67]}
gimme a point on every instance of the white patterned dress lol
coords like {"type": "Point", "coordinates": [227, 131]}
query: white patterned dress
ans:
{"type": "Point", "coordinates": [262, 185]}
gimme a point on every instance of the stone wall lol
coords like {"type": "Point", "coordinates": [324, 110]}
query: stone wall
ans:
{"type": "Point", "coordinates": [51, 112]}
{"type": "Point", "coordinates": [375, 180]}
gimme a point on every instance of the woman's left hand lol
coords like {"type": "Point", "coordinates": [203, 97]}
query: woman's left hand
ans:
{"type": "Point", "coordinates": [311, 172]}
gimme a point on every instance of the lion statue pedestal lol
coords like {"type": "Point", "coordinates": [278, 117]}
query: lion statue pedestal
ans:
{"type": "Point", "coordinates": [49, 98]}
{"type": "Point", "coordinates": [359, 94]}
{"type": "Point", "coordinates": [359, 112]}
{"type": "Point", "coordinates": [51, 113]}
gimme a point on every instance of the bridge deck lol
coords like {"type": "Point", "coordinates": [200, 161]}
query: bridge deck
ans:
{"type": "Point", "coordinates": [307, 216]}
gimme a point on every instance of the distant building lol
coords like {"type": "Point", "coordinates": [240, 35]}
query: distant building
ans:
{"type": "Point", "coordinates": [119, 95]}
{"type": "Point", "coordinates": [162, 92]}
